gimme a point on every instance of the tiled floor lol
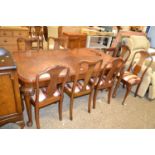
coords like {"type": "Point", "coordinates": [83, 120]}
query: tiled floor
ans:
{"type": "Point", "coordinates": [138, 113]}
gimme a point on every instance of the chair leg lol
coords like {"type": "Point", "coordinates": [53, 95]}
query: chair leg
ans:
{"type": "Point", "coordinates": [71, 107]}
{"type": "Point", "coordinates": [128, 89]}
{"type": "Point", "coordinates": [94, 98]}
{"type": "Point", "coordinates": [37, 117]}
{"type": "Point", "coordinates": [116, 87]}
{"type": "Point", "coordinates": [109, 94]}
{"type": "Point", "coordinates": [89, 102]}
{"type": "Point", "coordinates": [137, 90]}
{"type": "Point", "coordinates": [60, 109]}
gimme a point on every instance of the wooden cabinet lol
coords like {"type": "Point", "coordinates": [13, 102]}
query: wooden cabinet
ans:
{"type": "Point", "coordinates": [9, 35]}
{"type": "Point", "coordinates": [10, 100]}
{"type": "Point", "coordinates": [75, 40]}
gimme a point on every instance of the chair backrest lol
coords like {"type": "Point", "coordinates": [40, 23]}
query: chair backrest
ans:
{"type": "Point", "coordinates": [138, 61]}
{"type": "Point", "coordinates": [38, 31]}
{"type": "Point", "coordinates": [53, 76]}
{"type": "Point", "coordinates": [89, 69]}
{"type": "Point", "coordinates": [23, 45]}
{"type": "Point", "coordinates": [58, 42]}
{"type": "Point", "coordinates": [109, 73]}
{"type": "Point", "coordinates": [123, 52]}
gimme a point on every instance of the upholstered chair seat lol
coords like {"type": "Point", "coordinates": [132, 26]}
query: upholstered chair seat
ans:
{"type": "Point", "coordinates": [131, 78]}
{"type": "Point", "coordinates": [43, 96]}
{"type": "Point", "coordinates": [78, 87]}
{"type": "Point", "coordinates": [102, 81]}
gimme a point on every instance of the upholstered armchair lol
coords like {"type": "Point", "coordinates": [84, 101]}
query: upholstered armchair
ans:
{"type": "Point", "coordinates": [141, 43]}
{"type": "Point", "coordinates": [151, 94]}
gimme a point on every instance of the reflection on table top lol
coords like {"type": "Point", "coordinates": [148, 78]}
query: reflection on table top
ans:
{"type": "Point", "coordinates": [29, 64]}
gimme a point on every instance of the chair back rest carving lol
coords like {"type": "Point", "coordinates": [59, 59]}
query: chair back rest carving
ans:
{"type": "Point", "coordinates": [115, 67]}
{"type": "Point", "coordinates": [53, 76]}
{"type": "Point", "coordinates": [138, 61]}
{"type": "Point", "coordinates": [89, 69]}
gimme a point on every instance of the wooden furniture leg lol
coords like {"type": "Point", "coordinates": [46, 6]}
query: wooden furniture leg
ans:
{"type": "Point", "coordinates": [28, 108]}
{"type": "Point", "coordinates": [37, 117]}
{"type": "Point", "coordinates": [71, 107]}
{"type": "Point", "coordinates": [116, 87]}
{"type": "Point", "coordinates": [60, 109]}
{"type": "Point", "coordinates": [21, 124]}
{"type": "Point", "coordinates": [137, 89]}
{"type": "Point", "coordinates": [94, 98]}
{"type": "Point", "coordinates": [109, 94]}
{"type": "Point", "coordinates": [89, 102]}
{"type": "Point", "coordinates": [128, 89]}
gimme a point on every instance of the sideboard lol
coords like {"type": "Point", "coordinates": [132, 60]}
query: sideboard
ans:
{"type": "Point", "coordinates": [10, 99]}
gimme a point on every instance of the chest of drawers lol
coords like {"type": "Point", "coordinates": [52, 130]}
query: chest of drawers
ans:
{"type": "Point", "coordinates": [9, 35]}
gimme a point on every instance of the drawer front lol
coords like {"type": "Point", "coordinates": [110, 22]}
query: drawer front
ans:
{"type": "Point", "coordinates": [5, 33]}
{"type": "Point", "coordinates": [7, 41]}
{"type": "Point", "coordinates": [20, 34]}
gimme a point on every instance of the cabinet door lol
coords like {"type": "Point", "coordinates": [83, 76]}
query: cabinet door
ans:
{"type": "Point", "coordinates": [7, 94]}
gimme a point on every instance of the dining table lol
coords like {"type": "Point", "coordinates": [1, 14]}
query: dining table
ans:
{"type": "Point", "coordinates": [31, 63]}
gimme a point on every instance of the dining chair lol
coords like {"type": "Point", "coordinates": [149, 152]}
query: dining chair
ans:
{"type": "Point", "coordinates": [124, 53]}
{"type": "Point", "coordinates": [23, 45]}
{"type": "Point", "coordinates": [52, 93]}
{"type": "Point", "coordinates": [121, 50]}
{"type": "Point", "coordinates": [107, 78]}
{"type": "Point", "coordinates": [82, 86]}
{"type": "Point", "coordinates": [37, 37]}
{"type": "Point", "coordinates": [135, 72]}
{"type": "Point", "coordinates": [58, 43]}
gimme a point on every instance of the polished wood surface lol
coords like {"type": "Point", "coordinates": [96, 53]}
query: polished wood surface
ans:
{"type": "Point", "coordinates": [29, 64]}
{"type": "Point", "coordinates": [10, 101]}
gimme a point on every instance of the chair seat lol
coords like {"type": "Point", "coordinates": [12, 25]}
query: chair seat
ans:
{"type": "Point", "coordinates": [42, 94]}
{"type": "Point", "coordinates": [102, 82]}
{"type": "Point", "coordinates": [78, 87]}
{"type": "Point", "coordinates": [131, 78]}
